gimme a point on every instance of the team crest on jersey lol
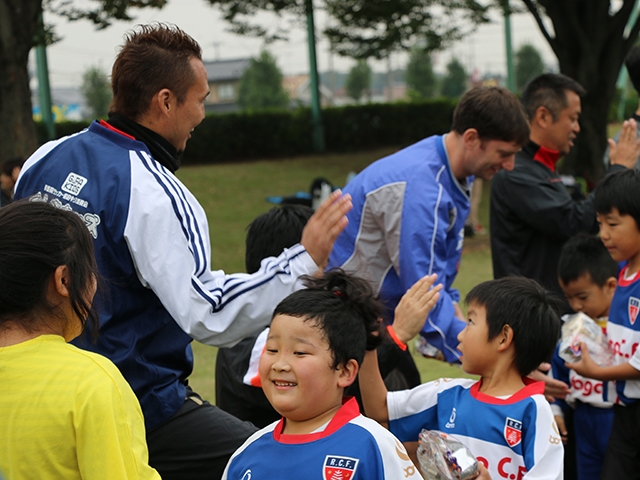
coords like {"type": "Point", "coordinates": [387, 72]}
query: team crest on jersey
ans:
{"type": "Point", "coordinates": [513, 432]}
{"type": "Point", "coordinates": [339, 468]}
{"type": "Point", "coordinates": [634, 306]}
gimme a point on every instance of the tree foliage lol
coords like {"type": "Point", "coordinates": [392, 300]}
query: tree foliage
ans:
{"type": "Point", "coordinates": [261, 85]}
{"type": "Point", "coordinates": [20, 30]}
{"type": "Point", "coordinates": [528, 65]}
{"type": "Point", "coordinates": [363, 28]}
{"type": "Point", "coordinates": [102, 13]}
{"type": "Point", "coordinates": [455, 81]}
{"type": "Point", "coordinates": [358, 80]}
{"type": "Point", "coordinates": [376, 28]}
{"type": "Point", "coordinates": [590, 39]}
{"type": "Point", "coordinates": [420, 77]}
{"type": "Point", "coordinates": [96, 91]}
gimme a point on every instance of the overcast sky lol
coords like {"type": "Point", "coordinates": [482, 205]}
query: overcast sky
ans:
{"type": "Point", "coordinates": [83, 47]}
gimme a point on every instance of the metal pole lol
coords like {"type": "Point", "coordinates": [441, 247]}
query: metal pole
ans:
{"type": "Point", "coordinates": [511, 81]}
{"type": "Point", "coordinates": [44, 90]}
{"type": "Point", "coordinates": [316, 116]}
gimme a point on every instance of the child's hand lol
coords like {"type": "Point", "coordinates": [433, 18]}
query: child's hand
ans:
{"type": "Point", "coordinates": [585, 366]}
{"type": "Point", "coordinates": [414, 306]}
{"type": "Point", "coordinates": [552, 388]}
{"type": "Point", "coordinates": [562, 428]}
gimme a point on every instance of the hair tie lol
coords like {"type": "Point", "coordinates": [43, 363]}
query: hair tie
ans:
{"type": "Point", "coordinates": [338, 293]}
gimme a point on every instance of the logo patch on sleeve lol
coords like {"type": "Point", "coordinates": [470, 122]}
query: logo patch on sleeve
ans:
{"type": "Point", "coordinates": [339, 468]}
{"type": "Point", "coordinates": [513, 432]}
{"type": "Point", "coordinates": [634, 306]}
{"type": "Point", "coordinates": [74, 183]}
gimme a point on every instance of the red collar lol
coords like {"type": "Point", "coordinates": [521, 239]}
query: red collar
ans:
{"type": "Point", "coordinates": [347, 412]}
{"type": "Point", "coordinates": [531, 387]}
{"type": "Point", "coordinates": [625, 282]}
{"type": "Point", "coordinates": [114, 129]}
{"type": "Point", "coordinates": [547, 157]}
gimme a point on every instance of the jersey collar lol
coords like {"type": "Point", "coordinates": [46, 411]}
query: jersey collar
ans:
{"type": "Point", "coordinates": [347, 412]}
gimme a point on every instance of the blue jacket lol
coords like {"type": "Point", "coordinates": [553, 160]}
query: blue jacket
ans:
{"type": "Point", "coordinates": [152, 247]}
{"type": "Point", "coordinates": [408, 221]}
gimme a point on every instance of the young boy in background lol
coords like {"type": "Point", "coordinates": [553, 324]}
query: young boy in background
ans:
{"type": "Point", "coordinates": [238, 389]}
{"type": "Point", "coordinates": [617, 202]}
{"type": "Point", "coordinates": [587, 275]}
{"type": "Point", "coordinates": [503, 419]}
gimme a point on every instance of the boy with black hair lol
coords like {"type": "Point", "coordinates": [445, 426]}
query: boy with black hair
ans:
{"type": "Point", "coordinates": [504, 419]}
{"type": "Point", "coordinates": [270, 233]}
{"type": "Point", "coordinates": [587, 275]}
{"type": "Point", "coordinates": [618, 208]}
{"type": "Point", "coordinates": [316, 342]}
{"type": "Point", "coordinates": [238, 389]}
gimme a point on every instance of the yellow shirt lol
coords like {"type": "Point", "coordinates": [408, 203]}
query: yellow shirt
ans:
{"type": "Point", "coordinates": [66, 413]}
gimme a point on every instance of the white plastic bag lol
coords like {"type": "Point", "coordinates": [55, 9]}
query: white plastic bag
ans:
{"type": "Point", "coordinates": [578, 328]}
{"type": "Point", "coordinates": [444, 457]}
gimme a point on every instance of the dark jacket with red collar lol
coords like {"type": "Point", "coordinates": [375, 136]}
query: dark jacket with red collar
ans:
{"type": "Point", "coordinates": [532, 215]}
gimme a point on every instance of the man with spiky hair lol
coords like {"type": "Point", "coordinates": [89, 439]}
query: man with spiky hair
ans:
{"type": "Point", "coordinates": [153, 250]}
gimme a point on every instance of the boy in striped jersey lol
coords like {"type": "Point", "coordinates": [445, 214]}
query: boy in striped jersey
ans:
{"type": "Point", "coordinates": [618, 208]}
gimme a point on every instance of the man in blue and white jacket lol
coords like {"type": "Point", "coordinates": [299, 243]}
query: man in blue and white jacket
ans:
{"type": "Point", "coordinates": [409, 208]}
{"type": "Point", "coordinates": [152, 246]}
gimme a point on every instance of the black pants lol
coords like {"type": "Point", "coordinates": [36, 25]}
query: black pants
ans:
{"type": "Point", "coordinates": [196, 442]}
{"type": "Point", "coordinates": [622, 460]}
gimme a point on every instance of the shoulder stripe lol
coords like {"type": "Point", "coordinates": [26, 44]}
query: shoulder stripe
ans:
{"type": "Point", "coordinates": [182, 209]}
{"type": "Point", "coordinates": [220, 298]}
{"type": "Point", "coordinates": [435, 221]}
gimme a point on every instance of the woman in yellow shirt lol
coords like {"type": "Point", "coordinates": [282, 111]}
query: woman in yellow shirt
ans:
{"type": "Point", "coordinates": [64, 412]}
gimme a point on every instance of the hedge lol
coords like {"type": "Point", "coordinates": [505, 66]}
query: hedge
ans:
{"type": "Point", "coordinates": [270, 134]}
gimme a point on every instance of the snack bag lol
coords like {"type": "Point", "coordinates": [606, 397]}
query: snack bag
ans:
{"type": "Point", "coordinates": [577, 328]}
{"type": "Point", "coordinates": [444, 457]}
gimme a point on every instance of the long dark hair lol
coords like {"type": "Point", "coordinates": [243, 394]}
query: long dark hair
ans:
{"type": "Point", "coordinates": [35, 239]}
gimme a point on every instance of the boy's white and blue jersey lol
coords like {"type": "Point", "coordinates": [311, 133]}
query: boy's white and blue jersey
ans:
{"type": "Point", "coordinates": [408, 221]}
{"type": "Point", "coordinates": [351, 447]}
{"type": "Point", "coordinates": [515, 437]}
{"type": "Point", "coordinates": [152, 246]}
{"type": "Point", "coordinates": [623, 330]}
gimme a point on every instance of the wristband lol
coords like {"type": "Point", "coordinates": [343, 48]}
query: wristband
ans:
{"type": "Point", "coordinates": [394, 337]}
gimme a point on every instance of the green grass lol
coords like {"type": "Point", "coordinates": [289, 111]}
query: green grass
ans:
{"type": "Point", "coordinates": [234, 194]}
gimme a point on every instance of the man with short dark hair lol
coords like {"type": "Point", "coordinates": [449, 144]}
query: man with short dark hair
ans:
{"type": "Point", "coordinates": [152, 248]}
{"type": "Point", "coordinates": [531, 213]}
{"type": "Point", "coordinates": [410, 207]}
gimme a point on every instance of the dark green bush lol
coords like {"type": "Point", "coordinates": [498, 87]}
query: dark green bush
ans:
{"type": "Point", "coordinates": [62, 129]}
{"type": "Point", "coordinates": [630, 105]}
{"type": "Point", "coordinates": [279, 133]}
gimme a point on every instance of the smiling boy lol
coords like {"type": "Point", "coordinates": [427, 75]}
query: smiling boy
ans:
{"type": "Point", "coordinates": [315, 344]}
{"type": "Point", "coordinates": [618, 208]}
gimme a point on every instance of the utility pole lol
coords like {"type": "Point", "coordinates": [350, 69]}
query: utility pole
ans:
{"type": "Point", "coordinates": [216, 50]}
{"type": "Point", "coordinates": [44, 90]}
{"type": "Point", "coordinates": [316, 114]}
{"type": "Point", "coordinates": [511, 81]}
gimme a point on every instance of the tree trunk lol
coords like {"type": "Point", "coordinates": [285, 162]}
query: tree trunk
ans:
{"type": "Point", "coordinates": [18, 24]}
{"type": "Point", "coordinates": [590, 45]}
